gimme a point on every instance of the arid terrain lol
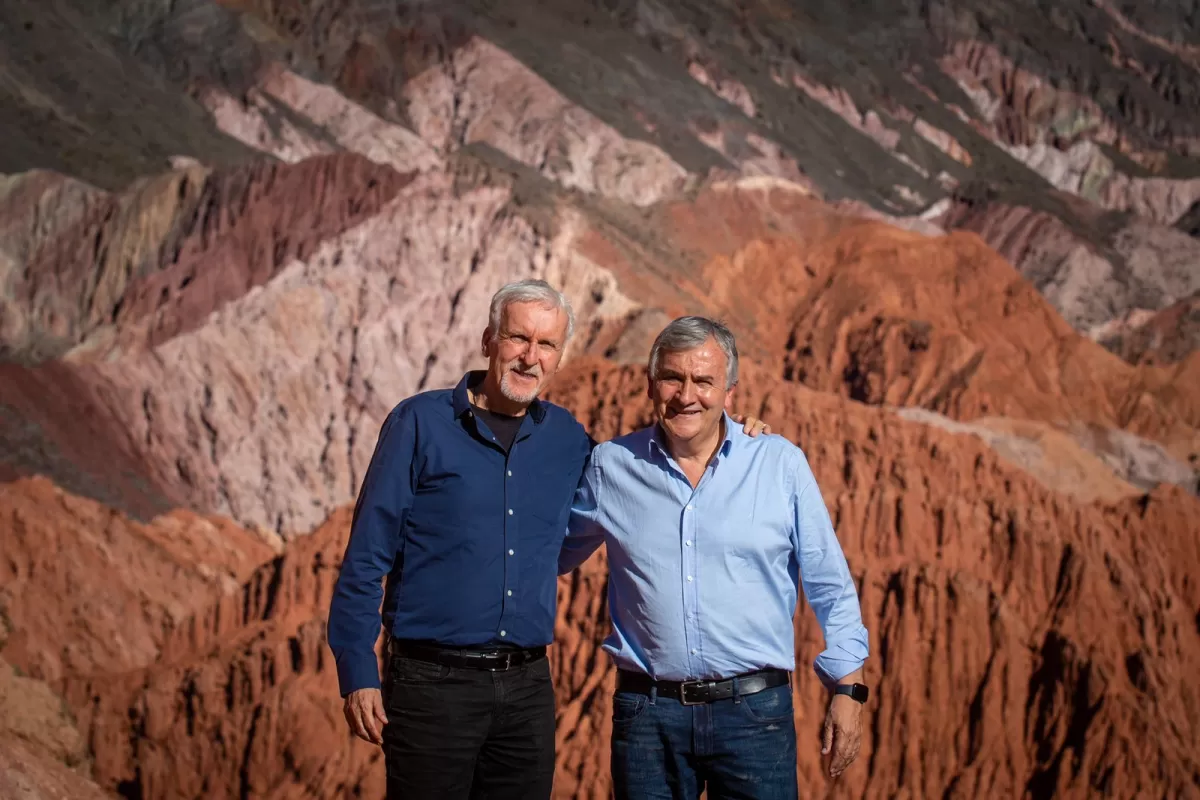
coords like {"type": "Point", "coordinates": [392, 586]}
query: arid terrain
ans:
{"type": "Point", "coordinates": [959, 244]}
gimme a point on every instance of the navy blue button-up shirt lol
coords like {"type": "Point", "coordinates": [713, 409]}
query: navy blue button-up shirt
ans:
{"type": "Point", "coordinates": [467, 535]}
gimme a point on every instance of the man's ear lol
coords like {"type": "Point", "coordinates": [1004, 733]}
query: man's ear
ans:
{"type": "Point", "coordinates": [649, 385]}
{"type": "Point", "coordinates": [486, 340]}
{"type": "Point", "coordinates": [729, 398]}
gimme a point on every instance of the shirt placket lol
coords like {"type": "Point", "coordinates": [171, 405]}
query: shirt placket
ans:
{"type": "Point", "coordinates": [511, 554]}
{"type": "Point", "coordinates": [690, 536]}
{"type": "Point", "coordinates": [691, 583]}
{"type": "Point", "coordinates": [508, 588]}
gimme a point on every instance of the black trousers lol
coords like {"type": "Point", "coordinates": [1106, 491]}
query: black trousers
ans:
{"type": "Point", "coordinates": [464, 733]}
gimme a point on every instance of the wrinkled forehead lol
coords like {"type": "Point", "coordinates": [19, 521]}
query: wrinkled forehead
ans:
{"type": "Point", "coordinates": [703, 361]}
{"type": "Point", "coordinates": [534, 317]}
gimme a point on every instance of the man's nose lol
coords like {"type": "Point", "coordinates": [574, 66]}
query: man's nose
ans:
{"type": "Point", "coordinates": [531, 354]}
{"type": "Point", "coordinates": [687, 393]}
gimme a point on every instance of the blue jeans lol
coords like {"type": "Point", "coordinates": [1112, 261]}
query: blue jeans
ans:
{"type": "Point", "coordinates": [743, 747]}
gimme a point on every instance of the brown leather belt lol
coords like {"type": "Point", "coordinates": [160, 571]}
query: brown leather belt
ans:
{"type": "Point", "coordinates": [489, 659]}
{"type": "Point", "coordinates": [691, 693]}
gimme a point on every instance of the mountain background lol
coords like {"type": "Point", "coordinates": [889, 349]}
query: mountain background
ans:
{"type": "Point", "coordinates": [959, 243]}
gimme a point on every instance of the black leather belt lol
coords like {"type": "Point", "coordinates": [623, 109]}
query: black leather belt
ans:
{"type": "Point", "coordinates": [691, 693]}
{"type": "Point", "coordinates": [493, 660]}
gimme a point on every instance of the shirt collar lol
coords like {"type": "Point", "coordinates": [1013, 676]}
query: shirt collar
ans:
{"type": "Point", "coordinates": [732, 430]}
{"type": "Point", "coordinates": [462, 401]}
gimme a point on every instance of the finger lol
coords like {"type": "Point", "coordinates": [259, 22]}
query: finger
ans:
{"type": "Point", "coordinates": [838, 763]}
{"type": "Point", "coordinates": [827, 737]}
{"type": "Point", "coordinates": [371, 727]}
{"type": "Point", "coordinates": [844, 754]}
{"type": "Point", "coordinates": [380, 713]}
{"type": "Point", "coordinates": [356, 724]}
{"type": "Point", "coordinates": [737, 417]}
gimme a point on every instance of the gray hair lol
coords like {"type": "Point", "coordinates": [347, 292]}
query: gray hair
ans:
{"type": "Point", "coordinates": [685, 333]}
{"type": "Point", "coordinates": [528, 291]}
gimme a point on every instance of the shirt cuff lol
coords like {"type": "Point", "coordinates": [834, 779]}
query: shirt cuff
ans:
{"type": "Point", "coordinates": [357, 672]}
{"type": "Point", "coordinates": [842, 657]}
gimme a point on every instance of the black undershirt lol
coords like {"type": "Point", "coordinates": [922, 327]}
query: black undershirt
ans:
{"type": "Point", "coordinates": [504, 426]}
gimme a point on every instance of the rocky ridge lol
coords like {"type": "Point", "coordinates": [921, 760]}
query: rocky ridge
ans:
{"type": "Point", "coordinates": [180, 333]}
{"type": "Point", "coordinates": [246, 687]}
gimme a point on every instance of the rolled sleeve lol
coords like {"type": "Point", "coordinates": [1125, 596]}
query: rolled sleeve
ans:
{"type": "Point", "coordinates": [375, 546]}
{"type": "Point", "coordinates": [828, 585]}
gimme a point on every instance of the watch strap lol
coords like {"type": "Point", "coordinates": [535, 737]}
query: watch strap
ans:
{"type": "Point", "coordinates": [856, 691]}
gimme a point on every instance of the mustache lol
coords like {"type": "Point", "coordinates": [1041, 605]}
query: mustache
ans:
{"type": "Point", "coordinates": [516, 366]}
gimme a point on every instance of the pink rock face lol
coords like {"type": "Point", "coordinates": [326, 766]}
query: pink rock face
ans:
{"type": "Point", "coordinates": [210, 351]}
{"type": "Point", "coordinates": [336, 123]}
{"type": "Point", "coordinates": [1057, 133]}
{"type": "Point", "coordinates": [266, 408]}
{"type": "Point", "coordinates": [163, 255]}
{"type": "Point", "coordinates": [482, 94]}
{"type": "Point", "coordinates": [1155, 265]}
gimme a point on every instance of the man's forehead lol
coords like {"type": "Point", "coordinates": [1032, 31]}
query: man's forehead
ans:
{"type": "Point", "coordinates": [530, 313]}
{"type": "Point", "coordinates": [702, 358]}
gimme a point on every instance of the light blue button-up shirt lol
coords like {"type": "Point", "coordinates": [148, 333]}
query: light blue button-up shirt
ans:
{"type": "Point", "coordinates": [703, 583]}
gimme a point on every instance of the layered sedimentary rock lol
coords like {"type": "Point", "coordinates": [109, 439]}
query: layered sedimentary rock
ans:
{"type": "Point", "coordinates": [946, 540]}
{"type": "Point", "coordinates": [1137, 269]}
{"type": "Point", "coordinates": [1162, 337]}
{"type": "Point", "coordinates": [178, 246]}
{"type": "Point", "coordinates": [208, 306]}
{"type": "Point", "coordinates": [42, 755]}
{"type": "Point", "coordinates": [950, 546]}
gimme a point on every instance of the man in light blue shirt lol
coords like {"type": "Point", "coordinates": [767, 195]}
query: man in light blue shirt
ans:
{"type": "Point", "coordinates": [710, 534]}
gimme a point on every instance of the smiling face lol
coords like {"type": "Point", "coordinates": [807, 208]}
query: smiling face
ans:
{"type": "Point", "coordinates": [524, 353]}
{"type": "Point", "coordinates": [689, 394]}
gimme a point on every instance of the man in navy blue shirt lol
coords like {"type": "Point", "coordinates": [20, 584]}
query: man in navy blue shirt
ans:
{"type": "Point", "coordinates": [463, 511]}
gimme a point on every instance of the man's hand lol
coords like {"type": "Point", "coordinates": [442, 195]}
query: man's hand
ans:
{"type": "Point", "coordinates": [750, 426]}
{"type": "Point", "coordinates": [843, 733]}
{"type": "Point", "coordinates": [365, 715]}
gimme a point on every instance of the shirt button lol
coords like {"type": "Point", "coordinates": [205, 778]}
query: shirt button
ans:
{"type": "Point", "coordinates": [693, 651]}
{"type": "Point", "coordinates": [689, 508]}
{"type": "Point", "coordinates": [510, 552]}
{"type": "Point", "coordinates": [510, 473]}
{"type": "Point", "coordinates": [688, 543]}
{"type": "Point", "coordinates": [510, 512]}
{"type": "Point", "coordinates": [689, 578]}
{"type": "Point", "coordinates": [510, 592]}
{"type": "Point", "coordinates": [504, 633]}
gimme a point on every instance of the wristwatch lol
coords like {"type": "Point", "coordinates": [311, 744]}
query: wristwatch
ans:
{"type": "Point", "coordinates": [857, 691]}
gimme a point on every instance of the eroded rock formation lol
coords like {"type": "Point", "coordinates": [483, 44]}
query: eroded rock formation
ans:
{"type": "Point", "coordinates": [206, 311]}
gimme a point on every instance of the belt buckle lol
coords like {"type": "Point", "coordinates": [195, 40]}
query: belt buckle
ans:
{"type": "Point", "coordinates": [507, 662]}
{"type": "Point", "coordinates": [683, 692]}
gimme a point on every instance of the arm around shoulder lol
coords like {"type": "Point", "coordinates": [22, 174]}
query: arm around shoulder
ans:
{"type": "Point", "coordinates": [584, 532]}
